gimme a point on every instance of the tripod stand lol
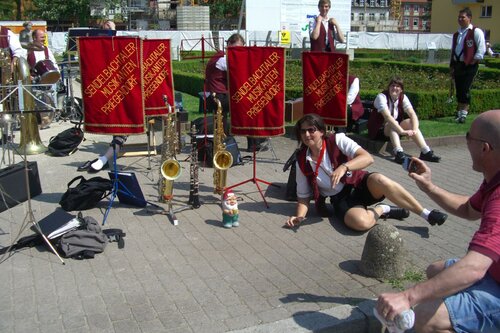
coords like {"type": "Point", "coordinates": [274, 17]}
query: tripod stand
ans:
{"type": "Point", "coordinates": [254, 179]}
{"type": "Point", "coordinates": [119, 187]}
{"type": "Point", "coordinates": [30, 218]}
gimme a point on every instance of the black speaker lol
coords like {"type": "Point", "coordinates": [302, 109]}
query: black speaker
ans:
{"type": "Point", "coordinates": [13, 184]}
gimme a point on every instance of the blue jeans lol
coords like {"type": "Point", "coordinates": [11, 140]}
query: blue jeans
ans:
{"type": "Point", "coordinates": [477, 308]}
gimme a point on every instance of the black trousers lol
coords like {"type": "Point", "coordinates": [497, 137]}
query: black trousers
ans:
{"type": "Point", "coordinates": [464, 76]}
{"type": "Point", "coordinates": [212, 108]}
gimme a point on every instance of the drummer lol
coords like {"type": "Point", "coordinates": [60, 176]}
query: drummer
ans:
{"type": "Point", "coordinates": [39, 52]}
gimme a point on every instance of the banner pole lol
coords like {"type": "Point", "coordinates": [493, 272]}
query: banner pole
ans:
{"type": "Point", "coordinates": [254, 179]}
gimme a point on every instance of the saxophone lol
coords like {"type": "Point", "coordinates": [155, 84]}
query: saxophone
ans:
{"type": "Point", "coordinates": [194, 198]}
{"type": "Point", "coordinates": [170, 169]}
{"type": "Point", "coordinates": [222, 159]}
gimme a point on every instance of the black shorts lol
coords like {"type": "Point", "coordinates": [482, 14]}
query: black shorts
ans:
{"type": "Point", "coordinates": [351, 196]}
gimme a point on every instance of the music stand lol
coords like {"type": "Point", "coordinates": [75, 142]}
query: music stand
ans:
{"type": "Point", "coordinates": [120, 189]}
{"type": "Point", "coordinates": [254, 179]}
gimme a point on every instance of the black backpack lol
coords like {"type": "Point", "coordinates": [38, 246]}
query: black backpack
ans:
{"type": "Point", "coordinates": [86, 194]}
{"type": "Point", "coordinates": [66, 142]}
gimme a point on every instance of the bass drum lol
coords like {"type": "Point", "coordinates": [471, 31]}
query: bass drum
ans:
{"type": "Point", "coordinates": [44, 103]}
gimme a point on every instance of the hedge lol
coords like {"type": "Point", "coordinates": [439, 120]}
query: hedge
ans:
{"type": "Point", "coordinates": [429, 104]}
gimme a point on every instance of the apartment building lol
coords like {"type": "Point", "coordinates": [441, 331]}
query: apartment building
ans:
{"type": "Point", "coordinates": [485, 15]}
{"type": "Point", "coordinates": [415, 16]}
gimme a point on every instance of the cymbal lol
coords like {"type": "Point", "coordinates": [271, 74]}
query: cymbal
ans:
{"type": "Point", "coordinates": [34, 47]}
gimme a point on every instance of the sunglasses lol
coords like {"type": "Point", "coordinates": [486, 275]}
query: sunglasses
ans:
{"type": "Point", "coordinates": [310, 130]}
{"type": "Point", "coordinates": [469, 137]}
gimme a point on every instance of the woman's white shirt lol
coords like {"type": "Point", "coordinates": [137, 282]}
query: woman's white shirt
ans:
{"type": "Point", "coordinates": [347, 146]}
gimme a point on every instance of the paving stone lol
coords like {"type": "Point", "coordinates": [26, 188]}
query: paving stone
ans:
{"type": "Point", "coordinates": [199, 277]}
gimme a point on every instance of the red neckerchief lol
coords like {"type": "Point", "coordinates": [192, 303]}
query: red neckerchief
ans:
{"type": "Point", "coordinates": [318, 163]}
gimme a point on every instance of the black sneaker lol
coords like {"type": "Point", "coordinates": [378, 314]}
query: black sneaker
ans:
{"type": "Point", "coordinates": [430, 157]}
{"type": "Point", "coordinates": [437, 217]}
{"type": "Point", "coordinates": [400, 157]}
{"type": "Point", "coordinates": [396, 213]}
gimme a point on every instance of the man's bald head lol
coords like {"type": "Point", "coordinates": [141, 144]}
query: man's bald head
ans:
{"type": "Point", "coordinates": [487, 124]}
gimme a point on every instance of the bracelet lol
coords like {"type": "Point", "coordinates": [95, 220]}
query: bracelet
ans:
{"type": "Point", "coordinates": [346, 167]}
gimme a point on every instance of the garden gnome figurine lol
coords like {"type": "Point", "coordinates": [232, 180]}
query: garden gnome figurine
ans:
{"type": "Point", "coordinates": [230, 210]}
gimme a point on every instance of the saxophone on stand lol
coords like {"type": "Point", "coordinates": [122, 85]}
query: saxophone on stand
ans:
{"type": "Point", "coordinates": [194, 197]}
{"type": "Point", "coordinates": [222, 159]}
{"type": "Point", "coordinates": [170, 169]}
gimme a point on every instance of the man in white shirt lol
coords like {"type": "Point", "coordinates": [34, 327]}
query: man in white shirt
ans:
{"type": "Point", "coordinates": [468, 48]}
{"type": "Point", "coordinates": [39, 52]}
{"type": "Point", "coordinates": [324, 31]}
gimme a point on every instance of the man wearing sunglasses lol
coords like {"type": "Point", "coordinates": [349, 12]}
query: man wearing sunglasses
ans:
{"type": "Point", "coordinates": [461, 295]}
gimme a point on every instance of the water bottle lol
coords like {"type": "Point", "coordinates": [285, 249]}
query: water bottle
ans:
{"type": "Point", "coordinates": [405, 320]}
{"type": "Point", "coordinates": [402, 322]}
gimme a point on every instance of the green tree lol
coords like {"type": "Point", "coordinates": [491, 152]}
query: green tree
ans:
{"type": "Point", "coordinates": [76, 11]}
{"type": "Point", "coordinates": [220, 9]}
{"type": "Point", "coordinates": [8, 10]}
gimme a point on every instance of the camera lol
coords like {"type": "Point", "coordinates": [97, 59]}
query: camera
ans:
{"type": "Point", "coordinates": [408, 165]}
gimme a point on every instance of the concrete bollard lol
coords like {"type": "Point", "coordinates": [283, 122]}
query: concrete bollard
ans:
{"type": "Point", "coordinates": [384, 254]}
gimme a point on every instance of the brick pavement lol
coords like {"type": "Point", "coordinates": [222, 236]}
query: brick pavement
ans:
{"type": "Point", "coordinates": [200, 277]}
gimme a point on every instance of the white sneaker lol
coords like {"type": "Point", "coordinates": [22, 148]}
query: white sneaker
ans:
{"type": "Point", "coordinates": [402, 322]}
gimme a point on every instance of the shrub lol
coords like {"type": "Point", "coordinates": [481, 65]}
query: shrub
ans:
{"type": "Point", "coordinates": [427, 85]}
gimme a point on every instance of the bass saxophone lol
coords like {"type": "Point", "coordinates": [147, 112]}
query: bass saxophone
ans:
{"type": "Point", "coordinates": [170, 169]}
{"type": "Point", "coordinates": [194, 198]}
{"type": "Point", "coordinates": [222, 159]}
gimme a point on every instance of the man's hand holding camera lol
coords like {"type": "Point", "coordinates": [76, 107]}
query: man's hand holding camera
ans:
{"type": "Point", "coordinates": [421, 173]}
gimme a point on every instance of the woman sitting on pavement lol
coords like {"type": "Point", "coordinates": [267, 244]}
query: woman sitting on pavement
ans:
{"type": "Point", "coordinates": [332, 166]}
{"type": "Point", "coordinates": [391, 105]}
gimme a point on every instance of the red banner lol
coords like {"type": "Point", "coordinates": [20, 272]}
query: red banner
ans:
{"type": "Point", "coordinates": [256, 79]}
{"type": "Point", "coordinates": [112, 84]}
{"type": "Point", "coordinates": [157, 76]}
{"type": "Point", "coordinates": [325, 85]}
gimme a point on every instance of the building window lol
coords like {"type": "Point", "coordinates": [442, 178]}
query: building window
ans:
{"type": "Point", "coordinates": [416, 9]}
{"type": "Point", "coordinates": [362, 3]}
{"type": "Point", "coordinates": [406, 22]}
{"type": "Point", "coordinates": [382, 16]}
{"type": "Point", "coordinates": [415, 24]}
{"type": "Point", "coordinates": [361, 17]}
{"type": "Point", "coordinates": [352, 16]}
{"type": "Point", "coordinates": [486, 11]}
{"type": "Point", "coordinates": [372, 3]}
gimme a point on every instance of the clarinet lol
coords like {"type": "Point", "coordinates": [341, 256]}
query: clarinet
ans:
{"type": "Point", "coordinates": [194, 198]}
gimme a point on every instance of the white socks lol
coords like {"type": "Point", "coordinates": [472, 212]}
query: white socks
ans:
{"type": "Point", "coordinates": [97, 165]}
{"type": "Point", "coordinates": [425, 149]}
{"type": "Point", "coordinates": [385, 208]}
{"type": "Point", "coordinates": [425, 214]}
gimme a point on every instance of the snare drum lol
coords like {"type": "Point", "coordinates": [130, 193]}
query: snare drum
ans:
{"type": "Point", "coordinates": [47, 71]}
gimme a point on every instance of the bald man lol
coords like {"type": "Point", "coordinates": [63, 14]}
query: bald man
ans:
{"type": "Point", "coordinates": [462, 295]}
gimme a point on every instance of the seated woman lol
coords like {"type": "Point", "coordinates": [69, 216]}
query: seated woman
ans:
{"type": "Point", "coordinates": [391, 106]}
{"type": "Point", "coordinates": [332, 166]}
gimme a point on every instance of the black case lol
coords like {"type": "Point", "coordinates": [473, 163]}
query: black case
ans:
{"type": "Point", "coordinates": [13, 184]}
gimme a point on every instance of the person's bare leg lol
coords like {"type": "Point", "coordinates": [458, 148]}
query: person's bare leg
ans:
{"type": "Point", "coordinates": [432, 317]}
{"type": "Point", "coordinates": [380, 185]}
{"type": "Point", "coordinates": [362, 219]}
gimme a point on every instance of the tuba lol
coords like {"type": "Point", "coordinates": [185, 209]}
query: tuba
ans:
{"type": "Point", "coordinates": [170, 169]}
{"type": "Point", "coordinates": [30, 142]}
{"type": "Point", "coordinates": [222, 159]}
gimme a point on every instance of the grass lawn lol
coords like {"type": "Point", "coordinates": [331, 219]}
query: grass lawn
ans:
{"type": "Point", "coordinates": [430, 128]}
